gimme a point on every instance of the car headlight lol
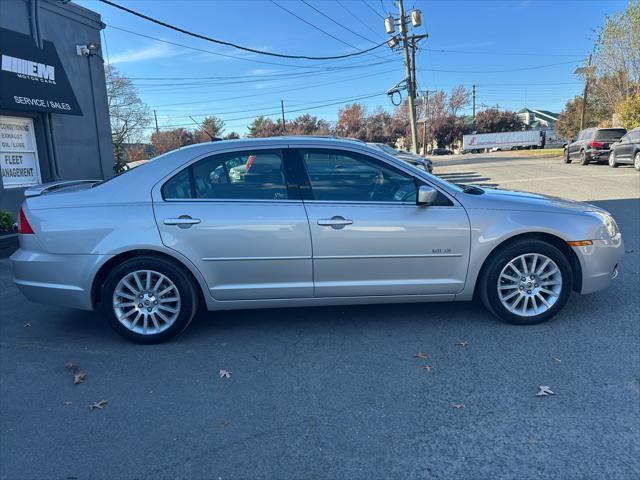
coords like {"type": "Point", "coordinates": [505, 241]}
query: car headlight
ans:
{"type": "Point", "coordinates": [608, 223]}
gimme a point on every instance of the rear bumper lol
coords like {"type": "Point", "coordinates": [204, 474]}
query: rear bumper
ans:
{"type": "Point", "coordinates": [63, 280]}
{"type": "Point", "coordinates": [600, 263]}
{"type": "Point", "coordinates": [597, 155]}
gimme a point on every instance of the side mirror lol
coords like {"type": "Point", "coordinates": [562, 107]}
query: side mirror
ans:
{"type": "Point", "coordinates": [426, 195]}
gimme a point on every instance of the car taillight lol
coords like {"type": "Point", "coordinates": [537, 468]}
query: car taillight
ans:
{"type": "Point", "coordinates": [593, 144]}
{"type": "Point", "coordinates": [23, 225]}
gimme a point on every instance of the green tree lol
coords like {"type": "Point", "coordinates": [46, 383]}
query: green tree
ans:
{"type": "Point", "coordinates": [211, 127]}
{"type": "Point", "coordinates": [629, 112]}
{"type": "Point", "coordinates": [264, 127]}
{"type": "Point", "coordinates": [494, 120]}
{"type": "Point", "coordinates": [568, 124]}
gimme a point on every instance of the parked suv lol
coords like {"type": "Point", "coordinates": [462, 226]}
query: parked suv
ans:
{"type": "Point", "coordinates": [592, 145]}
{"type": "Point", "coordinates": [626, 150]}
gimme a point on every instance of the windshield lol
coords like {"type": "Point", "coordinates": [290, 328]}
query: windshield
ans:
{"type": "Point", "coordinates": [387, 149]}
{"type": "Point", "coordinates": [610, 133]}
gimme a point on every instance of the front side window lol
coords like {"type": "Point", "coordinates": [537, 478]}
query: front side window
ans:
{"type": "Point", "coordinates": [337, 175]}
{"type": "Point", "coordinates": [249, 175]}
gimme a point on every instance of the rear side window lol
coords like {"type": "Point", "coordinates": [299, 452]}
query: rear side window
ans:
{"type": "Point", "coordinates": [246, 175]}
{"type": "Point", "coordinates": [610, 133]}
{"type": "Point", "coordinates": [635, 136]}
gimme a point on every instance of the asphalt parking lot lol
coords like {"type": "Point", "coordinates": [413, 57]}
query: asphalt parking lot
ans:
{"type": "Point", "coordinates": [336, 392]}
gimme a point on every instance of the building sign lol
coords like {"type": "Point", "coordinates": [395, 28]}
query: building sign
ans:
{"type": "Point", "coordinates": [31, 78]}
{"type": "Point", "coordinates": [19, 166]}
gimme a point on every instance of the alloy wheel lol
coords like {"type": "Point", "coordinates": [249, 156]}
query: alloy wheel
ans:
{"type": "Point", "coordinates": [146, 302]}
{"type": "Point", "coordinates": [529, 285]}
{"type": "Point", "coordinates": [636, 161]}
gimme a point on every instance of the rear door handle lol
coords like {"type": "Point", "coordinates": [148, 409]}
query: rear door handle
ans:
{"type": "Point", "coordinates": [336, 222]}
{"type": "Point", "coordinates": [183, 221]}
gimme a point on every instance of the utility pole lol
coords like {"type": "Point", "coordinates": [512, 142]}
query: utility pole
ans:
{"type": "Point", "coordinates": [284, 125]}
{"type": "Point", "coordinates": [425, 102]}
{"type": "Point", "coordinates": [586, 92]}
{"type": "Point", "coordinates": [474, 102]}
{"type": "Point", "coordinates": [156, 119]}
{"type": "Point", "coordinates": [410, 86]}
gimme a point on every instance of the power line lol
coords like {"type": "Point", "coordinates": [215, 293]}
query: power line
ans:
{"type": "Point", "coordinates": [499, 71]}
{"type": "Point", "coordinates": [278, 112]}
{"type": "Point", "coordinates": [286, 90]}
{"type": "Point", "coordinates": [230, 44]}
{"type": "Point", "coordinates": [312, 25]}
{"type": "Point", "coordinates": [515, 54]}
{"type": "Point", "coordinates": [336, 22]}
{"type": "Point", "coordinates": [372, 9]}
{"type": "Point", "coordinates": [357, 17]}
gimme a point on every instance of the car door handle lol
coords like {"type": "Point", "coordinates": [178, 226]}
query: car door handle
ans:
{"type": "Point", "coordinates": [334, 222]}
{"type": "Point", "coordinates": [183, 221]}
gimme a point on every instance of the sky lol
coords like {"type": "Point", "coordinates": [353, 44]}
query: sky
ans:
{"type": "Point", "coordinates": [518, 53]}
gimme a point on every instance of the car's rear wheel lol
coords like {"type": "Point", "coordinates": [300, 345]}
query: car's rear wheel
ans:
{"type": "Point", "coordinates": [584, 160]}
{"type": "Point", "coordinates": [567, 159]}
{"type": "Point", "coordinates": [636, 161]}
{"type": "Point", "coordinates": [527, 282]}
{"type": "Point", "coordinates": [149, 299]}
{"type": "Point", "coordinates": [612, 160]}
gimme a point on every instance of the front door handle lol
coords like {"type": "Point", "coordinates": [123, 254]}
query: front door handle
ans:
{"type": "Point", "coordinates": [183, 221]}
{"type": "Point", "coordinates": [336, 222]}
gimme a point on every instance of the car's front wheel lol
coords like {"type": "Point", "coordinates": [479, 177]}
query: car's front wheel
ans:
{"type": "Point", "coordinates": [527, 282]}
{"type": "Point", "coordinates": [612, 160]}
{"type": "Point", "coordinates": [149, 299]}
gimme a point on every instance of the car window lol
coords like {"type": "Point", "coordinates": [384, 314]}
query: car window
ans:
{"type": "Point", "coordinates": [635, 136]}
{"type": "Point", "coordinates": [346, 176]}
{"type": "Point", "coordinates": [247, 175]}
{"type": "Point", "coordinates": [609, 133]}
{"type": "Point", "coordinates": [626, 138]}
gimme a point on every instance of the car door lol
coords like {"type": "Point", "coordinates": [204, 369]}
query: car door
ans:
{"type": "Point", "coordinates": [369, 237]}
{"type": "Point", "coordinates": [623, 148]}
{"type": "Point", "coordinates": [574, 148]}
{"type": "Point", "coordinates": [238, 217]}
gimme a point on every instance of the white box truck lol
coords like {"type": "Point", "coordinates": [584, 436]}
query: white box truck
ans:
{"type": "Point", "coordinates": [478, 142]}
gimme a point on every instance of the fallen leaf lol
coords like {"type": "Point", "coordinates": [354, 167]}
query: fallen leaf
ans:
{"type": "Point", "coordinates": [79, 377]}
{"type": "Point", "coordinates": [66, 404]}
{"type": "Point", "coordinates": [544, 391]}
{"type": "Point", "coordinates": [27, 325]}
{"type": "Point", "coordinates": [428, 368]}
{"type": "Point", "coordinates": [225, 424]}
{"type": "Point", "coordinates": [225, 373]}
{"type": "Point", "coordinates": [462, 343]}
{"type": "Point", "coordinates": [98, 405]}
{"type": "Point", "coordinates": [72, 367]}
{"type": "Point", "coordinates": [457, 405]}
{"type": "Point", "coordinates": [629, 251]}
{"type": "Point", "coordinates": [556, 359]}
{"type": "Point", "coordinates": [420, 355]}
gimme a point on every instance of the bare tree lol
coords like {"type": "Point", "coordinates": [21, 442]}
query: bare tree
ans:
{"type": "Point", "coordinates": [460, 97]}
{"type": "Point", "coordinates": [129, 114]}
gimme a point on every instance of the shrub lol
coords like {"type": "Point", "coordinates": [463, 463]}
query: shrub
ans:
{"type": "Point", "coordinates": [6, 221]}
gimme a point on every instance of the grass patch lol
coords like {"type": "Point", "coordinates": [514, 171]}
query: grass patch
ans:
{"type": "Point", "coordinates": [547, 152]}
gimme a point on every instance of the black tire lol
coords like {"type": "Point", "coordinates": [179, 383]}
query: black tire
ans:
{"type": "Point", "coordinates": [612, 159]}
{"type": "Point", "coordinates": [566, 158]}
{"type": "Point", "coordinates": [583, 158]}
{"type": "Point", "coordinates": [174, 272]}
{"type": "Point", "coordinates": [488, 282]}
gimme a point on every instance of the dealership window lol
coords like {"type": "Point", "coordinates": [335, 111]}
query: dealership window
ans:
{"type": "Point", "coordinates": [19, 165]}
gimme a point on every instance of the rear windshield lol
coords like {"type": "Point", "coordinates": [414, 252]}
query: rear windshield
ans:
{"type": "Point", "coordinates": [610, 133]}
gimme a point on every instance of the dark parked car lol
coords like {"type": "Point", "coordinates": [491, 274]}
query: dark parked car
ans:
{"type": "Point", "coordinates": [441, 151]}
{"type": "Point", "coordinates": [626, 150]}
{"type": "Point", "coordinates": [592, 145]}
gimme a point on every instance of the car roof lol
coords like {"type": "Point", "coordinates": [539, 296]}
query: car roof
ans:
{"type": "Point", "coordinates": [266, 141]}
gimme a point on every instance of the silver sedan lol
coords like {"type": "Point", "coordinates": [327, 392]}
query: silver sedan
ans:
{"type": "Point", "coordinates": [309, 221]}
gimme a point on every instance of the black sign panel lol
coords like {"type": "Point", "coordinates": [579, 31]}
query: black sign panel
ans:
{"type": "Point", "coordinates": [31, 78]}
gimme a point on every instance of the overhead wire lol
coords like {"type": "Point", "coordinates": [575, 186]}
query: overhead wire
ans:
{"type": "Point", "coordinates": [234, 45]}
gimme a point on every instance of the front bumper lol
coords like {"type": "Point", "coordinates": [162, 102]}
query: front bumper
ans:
{"type": "Point", "coordinates": [63, 280]}
{"type": "Point", "coordinates": [600, 263]}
